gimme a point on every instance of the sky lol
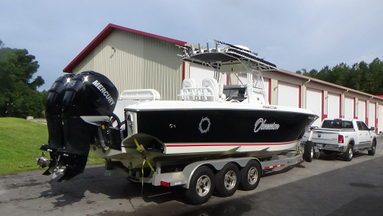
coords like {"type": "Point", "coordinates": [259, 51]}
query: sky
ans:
{"type": "Point", "coordinates": [294, 34]}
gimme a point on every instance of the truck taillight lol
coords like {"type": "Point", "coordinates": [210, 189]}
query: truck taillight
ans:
{"type": "Point", "coordinates": [340, 139]}
{"type": "Point", "coordinates": [165, 184]}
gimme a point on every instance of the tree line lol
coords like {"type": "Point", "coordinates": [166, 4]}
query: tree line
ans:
{"type": "Point", "coordinates": [19, 96]}
{"type": "Point", "coordinates": [360, 76]}
{"type": "Point", "coordinates": [18, 89]}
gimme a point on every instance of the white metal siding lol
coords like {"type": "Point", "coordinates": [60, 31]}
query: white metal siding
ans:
{"type": "Point", "coordinates": [333, 106]}
{"type": "Point", "coordinates": [314, 103]}
{"type": "Point", "coordinates": [133, 61]}
{"type": "Point", "coordinates": [349, 108]}
{"type": "Point", "coordinates": [288, 95]}
{"type": "Point", "coordinates": [362, 110]}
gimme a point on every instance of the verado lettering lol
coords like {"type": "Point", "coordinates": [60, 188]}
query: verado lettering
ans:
{"type": "Point", "coordinates": [260, 124]}
{"type": "Point", "coordinates": [104, 92]}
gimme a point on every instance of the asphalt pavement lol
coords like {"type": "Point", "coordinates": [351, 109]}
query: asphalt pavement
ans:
{"type": "Point", "coordinates": [327, 186]}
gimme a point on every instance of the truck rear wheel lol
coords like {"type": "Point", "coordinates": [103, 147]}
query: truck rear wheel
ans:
{"type": "Point", "coordinates": [308, 154]}
{"type": "Point", "coordinates": [349, 154]}
{"type": "Point", "coordinates": [227, 180]}
{"type": "Point", "coordinates": [201, 186]}
{"type": "Point", "coordinates": [250, 176]}
{"type": "Point", "coordinates": [373, 148]}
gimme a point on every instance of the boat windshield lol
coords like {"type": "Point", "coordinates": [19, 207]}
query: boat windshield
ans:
{"type": "Point", "coordinates": [244, 85]}
{"type": "Point", "coordinates": [235, 92]}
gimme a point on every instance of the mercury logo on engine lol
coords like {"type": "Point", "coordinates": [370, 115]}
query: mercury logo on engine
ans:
{"type": "Point", "coordinates": [260, 124]}
{"type": "Point", "coordinates": [103, 91]}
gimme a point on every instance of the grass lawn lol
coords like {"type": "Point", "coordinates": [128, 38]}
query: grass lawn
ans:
{"type": "Point", "coordinates": [20, 141]}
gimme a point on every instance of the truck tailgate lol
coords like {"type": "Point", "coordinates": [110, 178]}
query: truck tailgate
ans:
{"type": "Point", "coordinates": [326, 136]}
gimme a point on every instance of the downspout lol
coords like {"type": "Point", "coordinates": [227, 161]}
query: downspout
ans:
{"type": "Point", "coordinates": [309, 80]}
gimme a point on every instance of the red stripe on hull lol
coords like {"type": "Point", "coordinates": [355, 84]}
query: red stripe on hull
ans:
{"type": "Point", "coordinates": [230, 144]}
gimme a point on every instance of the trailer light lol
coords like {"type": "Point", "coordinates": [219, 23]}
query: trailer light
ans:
{"type": "Point", "coordinates": [165, 184]}
{"type": "Point", "coordinates": [340, 139]}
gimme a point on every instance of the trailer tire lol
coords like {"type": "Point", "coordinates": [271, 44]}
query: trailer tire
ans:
{"type": "Point", "coordinates": [349, 154]}
{"type": "Point", "coordinates": [250, 175]}
{"type": "Point", "coordinates": [373, 148]}
{"type": "Point", "coordinates": [227, 180]}
{"type": "Point", "coordinates": [201, 186]}
{"type": "Point", "coordinates": [308, 155]}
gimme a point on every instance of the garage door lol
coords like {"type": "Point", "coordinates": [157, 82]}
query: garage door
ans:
{"type": "Point", "coordinates": [288, 94]}
{"type": "Point", "coordinates": [314, 103]}
{"type": "Point", "coordinates": [333, 106]}
{"type": "Point", "coordinates": [362, 110]}
{"type": "Point", "coordinates": [380, 116]}
{"type": "Point", "coordinates": [199, 73]}
{"type": "Point", "coordinates": [349, 108]}
{"type": "Point", "coordinates": [371, 115]}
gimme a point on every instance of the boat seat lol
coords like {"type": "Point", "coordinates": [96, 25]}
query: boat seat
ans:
{"type": "Point", "coordinates": [213, 85]}
{"type": "Point", "coordinates": [209, 91]}
{"type": "Point", "coordinates": [189, 89]}
{"type": "Point", "coordinates": [189, 83]}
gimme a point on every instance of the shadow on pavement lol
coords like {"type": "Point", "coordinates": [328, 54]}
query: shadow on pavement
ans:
{"type": "Point", "coordinates": [115, 186]}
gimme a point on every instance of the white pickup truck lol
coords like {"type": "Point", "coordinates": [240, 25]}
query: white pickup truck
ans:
{"type": "Point", "coordinates": [344, 136]}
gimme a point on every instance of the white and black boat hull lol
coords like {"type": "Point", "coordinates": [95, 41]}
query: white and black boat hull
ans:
{"type": "Point", "coordinates": [260, 132]}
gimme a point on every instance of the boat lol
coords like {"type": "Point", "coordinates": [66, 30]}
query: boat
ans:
{"type": "Point", "coordinates": [226, 115]}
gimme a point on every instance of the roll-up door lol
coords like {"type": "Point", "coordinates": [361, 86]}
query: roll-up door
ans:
{"type": "Point", "coordinates": [314, 103]}
{"type": "Point", "coordinates": [333, 106]}
{"type": "Point", "coordinates": [349, 108]}
{"type": "Point", "coordinates": [379, 115]}
{"type": "Point", "coordinates": [362, 110]}
{"type": "Point", "coordinates": [199, 73]}
{"type": "Point", "coordinates": [288, 94]}
{"type": "Point", "coordinates": [371, 115]}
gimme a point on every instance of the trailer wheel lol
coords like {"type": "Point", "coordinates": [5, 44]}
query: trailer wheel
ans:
{"type": "Point", "coordinates": [349, 154]}
{"type": "Point", "coordinates": [201, 186]}
{"type": "Point", "coordinates": [250, 176]}
{"type": "Point", "coordinates": [308, 155]}
{"type": "Point", "coordinates": [373, 148]}
{"type": "Point", "coordinates": [227, 180]}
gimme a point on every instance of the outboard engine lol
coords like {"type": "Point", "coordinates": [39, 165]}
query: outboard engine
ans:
{"type": "Point", "coordinates": [88, 95]}
{"type": "Point", "coordinates": [53, 110]}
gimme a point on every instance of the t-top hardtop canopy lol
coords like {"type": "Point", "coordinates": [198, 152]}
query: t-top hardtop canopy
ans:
{"type": "Point", "coordinates": [228, 58]}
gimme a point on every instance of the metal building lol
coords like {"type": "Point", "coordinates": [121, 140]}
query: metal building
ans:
{"type": "Point", "coordinates": [327, 100]}
{"type": "Point", "coordinates": [133, 59]}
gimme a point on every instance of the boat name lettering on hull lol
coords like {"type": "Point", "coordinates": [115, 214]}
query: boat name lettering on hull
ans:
{"type": "Point", "coordinates": [260, 124]}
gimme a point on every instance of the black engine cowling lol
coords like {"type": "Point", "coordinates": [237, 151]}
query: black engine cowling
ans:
{"type": "Point", "coordinates": [53, 111]}
{"type": "Point", "coordinates": [86, 94]}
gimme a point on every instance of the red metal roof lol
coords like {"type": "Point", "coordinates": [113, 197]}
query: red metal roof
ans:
{"type": "Point", "coordinates": [104, 34]}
